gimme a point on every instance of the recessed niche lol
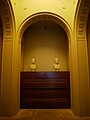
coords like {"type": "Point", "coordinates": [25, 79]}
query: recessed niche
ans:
{"type": "Point", "coordinates": [44, 40]}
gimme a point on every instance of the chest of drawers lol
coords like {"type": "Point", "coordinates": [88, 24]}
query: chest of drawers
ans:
{"type": "Point", "coordinates": [45, 90]}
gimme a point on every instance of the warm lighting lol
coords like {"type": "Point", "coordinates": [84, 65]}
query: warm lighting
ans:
{"type": "Point", "coordinates": [25, 8]}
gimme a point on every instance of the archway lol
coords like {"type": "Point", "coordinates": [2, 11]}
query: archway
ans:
{"type": "Point", "coordinates": [7, 95]}
{"type": "Point", "coordinates": [44, 16]}
{"type": "Point", "coordinates": [45, 40]}
{"type": "Point", "coordinates": [80, 66]}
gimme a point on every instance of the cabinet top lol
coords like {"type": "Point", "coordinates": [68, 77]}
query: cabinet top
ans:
{"type": "Point", "coordinates": [48, 74]}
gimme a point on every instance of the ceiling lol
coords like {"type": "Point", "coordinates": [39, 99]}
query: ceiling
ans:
{"type": "Point", "coordinates": [24, 8]}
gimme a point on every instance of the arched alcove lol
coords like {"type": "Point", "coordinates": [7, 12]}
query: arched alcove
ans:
{"type": "Point", "coordinates": [54, 32]}
{"type": "Point", "coordinates": [44, 40]}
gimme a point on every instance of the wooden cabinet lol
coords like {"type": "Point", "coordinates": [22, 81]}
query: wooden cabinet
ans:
{"type": "Point", "coordinates": [45, 90]}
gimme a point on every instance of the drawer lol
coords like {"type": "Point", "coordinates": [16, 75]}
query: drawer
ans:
{"type": "Point", "coordinates": [45, 83]}
{"type": "Point", "coordinates": [44, 93]}
{"type": "Point", "coordinates": [45, 103]}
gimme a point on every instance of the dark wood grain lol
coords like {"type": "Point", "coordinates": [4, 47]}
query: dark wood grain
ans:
{"type": "Point", "coordinates": [45, 90]}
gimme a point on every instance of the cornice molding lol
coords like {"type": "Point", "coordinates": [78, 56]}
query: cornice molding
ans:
{"type": "Point", "coordinates": [43, 16]}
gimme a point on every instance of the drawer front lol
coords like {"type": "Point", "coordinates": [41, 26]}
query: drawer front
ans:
{"type": "Point", "coordinates": [45, 93]}
{"type": "Point", "coordinates": [45, 90]}
{"type": "Point", "coordinates": [45, 103]}
{"type": "Point", "coordinates": [45, 99]}
{"type": "Point", "coordinates": [44, 83]}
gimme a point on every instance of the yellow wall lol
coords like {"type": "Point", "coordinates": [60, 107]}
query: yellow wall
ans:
{"type": "Point", "coordinates": [44, 45]}
{"type": "Point", "coordinates": [25, 8]}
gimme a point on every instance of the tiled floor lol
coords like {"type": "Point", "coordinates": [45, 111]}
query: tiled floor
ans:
{"type": "Point", "coordinates": [45, 114]}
